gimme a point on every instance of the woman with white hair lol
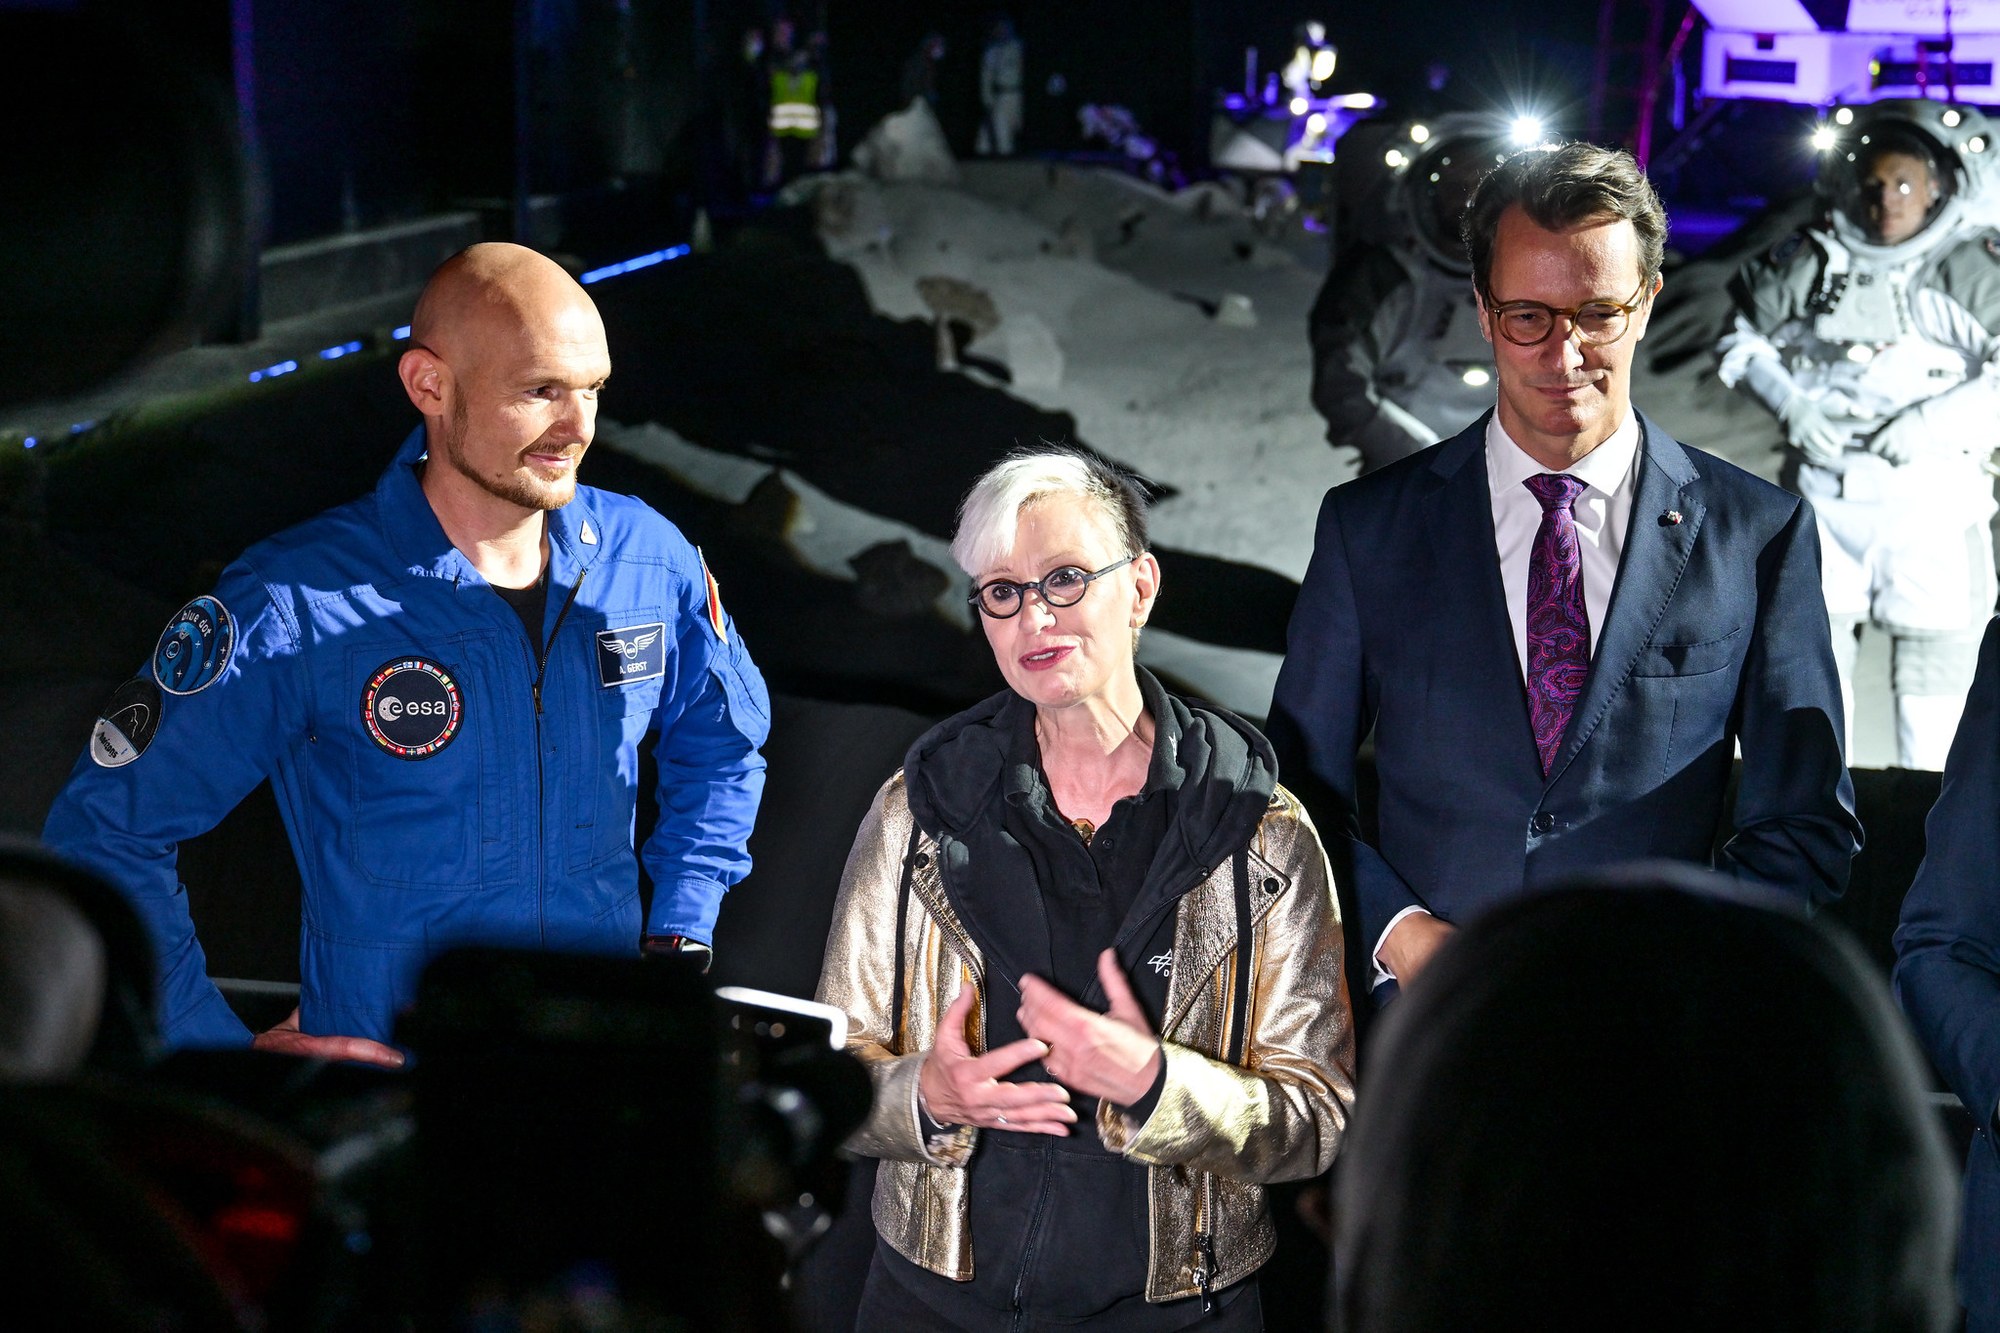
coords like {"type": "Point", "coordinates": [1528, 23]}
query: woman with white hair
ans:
{"type": "Point", "coordinates": [1090, 952]}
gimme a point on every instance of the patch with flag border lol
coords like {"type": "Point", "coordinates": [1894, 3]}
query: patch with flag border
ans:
{"type": "Point", "coordinates": [412, 707]}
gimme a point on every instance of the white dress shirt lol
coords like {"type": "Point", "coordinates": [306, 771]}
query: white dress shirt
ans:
{"type": "Point", "coordinates": [1603, 514]}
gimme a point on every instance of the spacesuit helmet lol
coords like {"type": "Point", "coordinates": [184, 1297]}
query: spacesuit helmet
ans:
{"type": "Point", "coordinates": [1433, 167]}
{"type": "Point", "coordinates": [1893, 171]}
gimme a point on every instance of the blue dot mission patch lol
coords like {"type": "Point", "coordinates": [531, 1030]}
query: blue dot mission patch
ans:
{"type": "Point", "coordinates": [195, 647]}
{"type": "Point", "coordinates": [412, 707]}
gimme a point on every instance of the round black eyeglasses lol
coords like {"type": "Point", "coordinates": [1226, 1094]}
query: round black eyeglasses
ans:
{"type": "Point", "coordinates": [1004, 598]}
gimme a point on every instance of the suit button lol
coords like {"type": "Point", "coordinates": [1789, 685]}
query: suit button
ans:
{"type": "Point", "coordinates": [1542, 822]}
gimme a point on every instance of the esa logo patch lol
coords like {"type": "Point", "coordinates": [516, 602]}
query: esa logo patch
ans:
{"type": "Point", "coordinates": [637, 652]}
{"type": "Point", "coordinates": [412, 707]}
{"type": "Point", "coordinates": [126, 724]}
{"type": "Point", "coordinates": [194, 649]}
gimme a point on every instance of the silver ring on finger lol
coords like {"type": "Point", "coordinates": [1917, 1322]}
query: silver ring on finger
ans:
{"type": "Point", "coordinates": [1000, 1118]}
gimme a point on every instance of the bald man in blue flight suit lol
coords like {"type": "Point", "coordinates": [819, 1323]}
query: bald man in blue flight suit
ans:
{"type": "Point", "coordinates": [447, 683]}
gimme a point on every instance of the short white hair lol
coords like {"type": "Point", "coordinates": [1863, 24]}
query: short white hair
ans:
{"type": "Point", "coordinates": [991, 510]}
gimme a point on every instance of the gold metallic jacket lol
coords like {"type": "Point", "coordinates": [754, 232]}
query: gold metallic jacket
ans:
{"type": "Point", "coordinates": [1219, 1132]}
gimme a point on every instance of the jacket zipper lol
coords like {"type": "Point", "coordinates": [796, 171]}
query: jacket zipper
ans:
{"type": "Point", "coordinates": [1204, 1244]}
{"type": "Point", "coordinates": [541, 779]}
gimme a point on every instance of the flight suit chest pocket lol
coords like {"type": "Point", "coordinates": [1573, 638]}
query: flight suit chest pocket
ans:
{"type": "Point", "coordinates": [421, 737]}
{"type": "Point", "coordinates": [631, 660]}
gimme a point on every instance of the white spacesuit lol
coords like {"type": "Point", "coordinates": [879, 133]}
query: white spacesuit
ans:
{"type": "Point", "coordinates": [1398, 359]}
{"type": "Point", "coordinates": [1871, 335]}
{"type": "Point", "coordinates": [1312, 64]}
{"type": "Point", "coordinates": [1000, 91]}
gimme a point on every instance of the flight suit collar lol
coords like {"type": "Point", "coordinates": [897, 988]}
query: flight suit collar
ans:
{"type": "Point", "coordinates": [576, 533]}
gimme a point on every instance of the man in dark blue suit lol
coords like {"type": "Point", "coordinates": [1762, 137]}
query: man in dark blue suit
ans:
{"type": "Point", "coordinates": [1948, 968]}
{"type": "Point", "coordinates": [1559, 624]}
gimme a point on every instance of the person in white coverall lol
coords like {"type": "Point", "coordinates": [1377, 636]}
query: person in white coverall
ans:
{"type": "Point", "coordinates": [1871, 334]}
{"type": "Point", "coordinates": [1000, 91]}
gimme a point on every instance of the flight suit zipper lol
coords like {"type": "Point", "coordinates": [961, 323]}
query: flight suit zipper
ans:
{"type": "Point", "coordinates": [541, 778]}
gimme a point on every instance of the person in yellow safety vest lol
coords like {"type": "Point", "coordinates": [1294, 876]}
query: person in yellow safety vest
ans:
{"type": "Point", "coordinates": [795, 115]}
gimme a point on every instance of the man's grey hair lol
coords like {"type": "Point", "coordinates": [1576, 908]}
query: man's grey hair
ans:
{"type": "Point", "coordinates": [1559, 186]}
{"type": "Point", "coordinates": [991, 510]}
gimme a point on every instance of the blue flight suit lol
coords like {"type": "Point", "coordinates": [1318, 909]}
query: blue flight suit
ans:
{"type": "Point", "coordinates": [440, 783]}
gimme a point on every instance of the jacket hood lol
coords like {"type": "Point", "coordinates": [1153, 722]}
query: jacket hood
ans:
{"type": "Point", "coordinates": [1220, 768]}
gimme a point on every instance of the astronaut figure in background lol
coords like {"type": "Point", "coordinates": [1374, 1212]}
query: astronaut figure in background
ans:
{"type": "Point", "coordinates": [1399, 362]}
{"type": "Point", "coordinates": [1870, 335]}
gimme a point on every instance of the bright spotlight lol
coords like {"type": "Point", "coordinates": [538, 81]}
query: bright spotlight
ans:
{"type": "Point", "coordinates": [1525, 131]}
{"type": "Point", "coordinates": [1420, 134]}
{"type": "Point", "coordinates": [1844, 116]}
{"type": "Point", "coordinates": [1861, 353]}
{"type": "Point", "coordinates": [1823, 138]}
{"type": "Point", "coordinates": [1315, 124]}
{"type": "Point", "coordinates": [1395, 158]}
{"type": "Point", "coordinates": [1300, 106]}
{"type": "Point", "coordinates": [1951, 118]}
{"type": "Point", "coordinates": [1477, 377]}
{"type": "Point", "coordinates": [1322, 66]}
{"type": "Point", "coordinates": [1977, 145]}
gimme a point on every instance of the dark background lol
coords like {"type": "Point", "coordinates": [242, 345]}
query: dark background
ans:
{"type": "Point", "coordinates": [365, 112]}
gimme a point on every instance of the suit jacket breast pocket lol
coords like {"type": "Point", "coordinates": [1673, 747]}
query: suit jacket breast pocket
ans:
{"type": "Point", "coordinates": [1690, 659]}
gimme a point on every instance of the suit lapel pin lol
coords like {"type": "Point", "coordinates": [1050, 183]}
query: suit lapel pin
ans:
{"type": "Point", "coordinates": [1671, 519]}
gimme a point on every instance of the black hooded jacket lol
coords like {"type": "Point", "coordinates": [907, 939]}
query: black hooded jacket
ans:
{"type": "Point", "coordinates": [1060, 1224]}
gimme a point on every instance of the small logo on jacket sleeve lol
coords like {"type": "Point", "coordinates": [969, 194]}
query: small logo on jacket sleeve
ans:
{"type": "Point", "coordinates": [636, 652]}
{"type": "Point", "coordinates": [126, 724]}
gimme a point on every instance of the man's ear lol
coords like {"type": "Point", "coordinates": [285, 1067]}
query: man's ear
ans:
{"type": "Point", "coordinates": [1485, 316]}
{"type": "Point", "coordinates": [1145, 587]}
{"type": "Point", "coordinates": [425, 379]}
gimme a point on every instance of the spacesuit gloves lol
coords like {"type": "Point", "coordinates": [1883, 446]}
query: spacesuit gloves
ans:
{"type": "Point", "coordinates": [1807, 429]}
{"type": "Point", "coordinates": [1956, 424]}
{"type": "Point", "coordinates": [1810, 432]}
{"type": "Point", "coordinates": [1905, 438]}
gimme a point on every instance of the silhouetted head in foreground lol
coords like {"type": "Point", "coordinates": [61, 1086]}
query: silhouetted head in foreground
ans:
{"type": "Point", "coordinates": [76, 972]}
{"type": "Point", "coordinates": [1645, 1106]}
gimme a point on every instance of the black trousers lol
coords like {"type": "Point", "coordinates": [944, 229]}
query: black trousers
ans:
{"type": "Point", "coordinates": [888, 1305]}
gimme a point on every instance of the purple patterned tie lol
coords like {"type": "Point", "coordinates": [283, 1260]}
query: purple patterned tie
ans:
{"type": "Point", "coordinates": [1558, 622]}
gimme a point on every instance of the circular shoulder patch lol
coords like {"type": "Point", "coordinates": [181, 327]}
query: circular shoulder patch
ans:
{"type": "Point", "coordinates": [126, 724]}
{"type": "Point", "coordinates": [194, 648]}
{"type": "Point", "coordinates": [412, 707]}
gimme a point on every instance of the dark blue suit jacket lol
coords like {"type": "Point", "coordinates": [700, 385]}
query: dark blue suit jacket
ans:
{"type": "Point", "coordinates": [1948, 964]}
{"type": "Point", "coordinates": [1716, 632]}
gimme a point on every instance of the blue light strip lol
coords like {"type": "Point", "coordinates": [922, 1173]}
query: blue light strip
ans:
{"type": "Point", "coordinates": [633, 265]}
{"type": "Point", "coordinates": [272, 372]}
{"type": "Point", "coordinates": [400, 333]}
{"type": "Point", "coordinates": [335, 353]}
